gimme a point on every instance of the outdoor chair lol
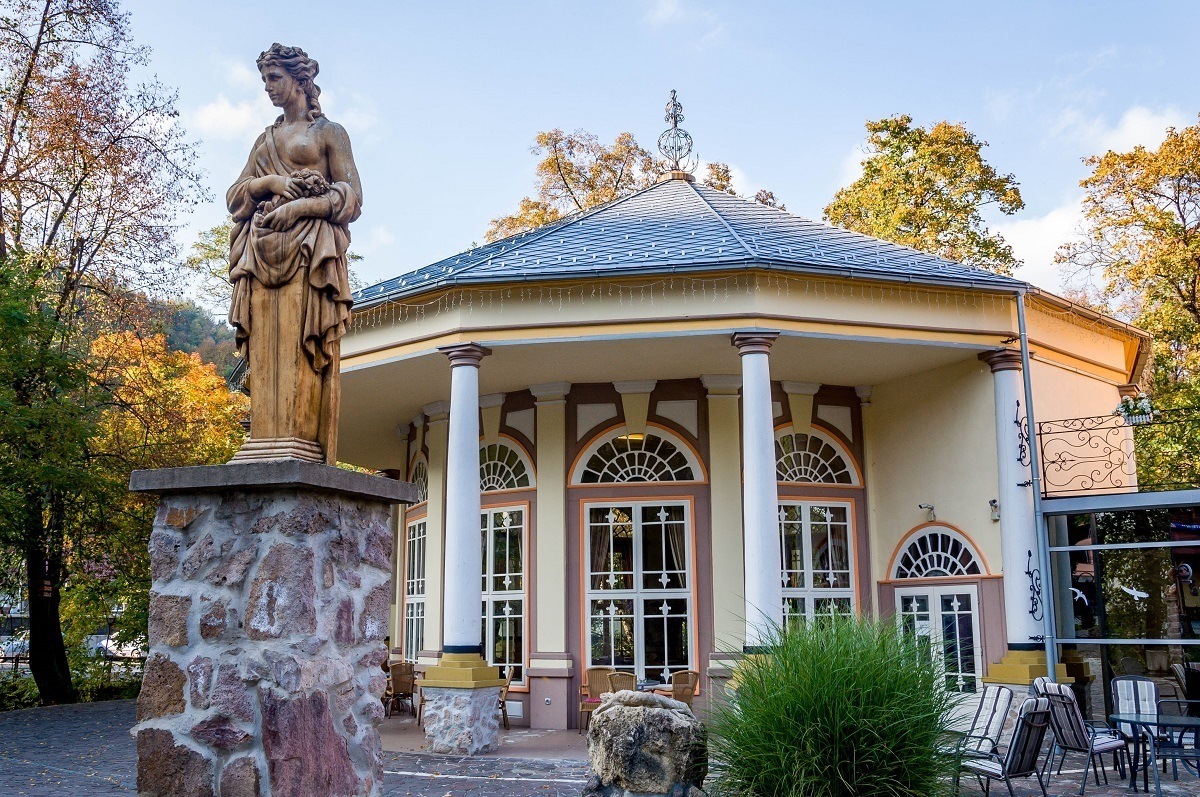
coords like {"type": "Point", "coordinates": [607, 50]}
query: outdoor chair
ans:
{"type": "Point", "coordinates": [1177, 745]}
{"type": "Point", "coordinates": [983, 735]}
{"type": "Point", "coordinates": [503, 706]}
{"type": "Point", "coordinates": [595, 683]}
{"type": "Point", "coordinates": [1021, 759]}
{"type": "Point", "coordinates": [683, 685]}
{"type": "Point", "coordinates": [1074, 734]}
{"type": "Point", "coordinates": [400, 687]}
{"type": "Point", "coordinates": [1135, 694]}
{"type": "Point", "coordinates": [622, 680]}
{"type": "Point", "coordinates": [1189, 670]}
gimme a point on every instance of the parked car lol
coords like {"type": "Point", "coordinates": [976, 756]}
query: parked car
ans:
{"type": "Point", "coordinates": [105, 647]}
{"type": "Point", "coordinates": [15, 645]}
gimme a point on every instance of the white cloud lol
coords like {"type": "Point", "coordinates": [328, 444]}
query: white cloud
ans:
{"type": "Point", "coordinates": [852, 166]}
{"type": "Point", "coordinates": [705, 25]}
{"type": "Point", "coordinates": [1035, 240]}
{"type": "Point", "coordinates": [1137, 125]}
{"type": "Point", "coordinates": [224, 119]}
{"type": "Point", "coordinates": [664, 12]}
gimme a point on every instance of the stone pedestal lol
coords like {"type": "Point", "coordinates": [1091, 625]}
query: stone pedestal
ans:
{"type": "Point", "coordinates": [460, 700]}
{"type": "Point", "coordinates": [268, 609]}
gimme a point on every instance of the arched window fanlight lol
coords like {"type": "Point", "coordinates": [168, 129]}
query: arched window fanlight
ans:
{"type": "Point", "coordinates": [420, 478]}
{"type": "Point", "coordinates": [501, 467]}
{"type": "Point", "coordinates": [810, 459]}
{"type": "Point", "coordinates": [637, 458]}
{"type": "Point", "coordinates": [937, 552]}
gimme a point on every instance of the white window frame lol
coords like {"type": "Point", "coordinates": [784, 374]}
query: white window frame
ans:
{"type": "Point", "coordinates": [933, 628]}
{"type": "Point", "coordinates": [416, 540]}
{"type": "Point", "coordinates": [810, 593]}
{"type": "Point", "coordinates": [640, 595]}
{"type": "Point", "coordinates": [491, 595]}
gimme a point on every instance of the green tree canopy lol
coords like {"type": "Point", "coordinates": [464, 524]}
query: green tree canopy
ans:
{"type": "Point", "coordinates": [926, 188]}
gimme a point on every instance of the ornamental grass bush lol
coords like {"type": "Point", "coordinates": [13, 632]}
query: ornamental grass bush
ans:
{"type": "Point", "coordinates": [843, 707]}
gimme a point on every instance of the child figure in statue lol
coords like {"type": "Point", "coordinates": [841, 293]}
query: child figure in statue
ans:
{"type": "Point", "coordinates": [292, 207]}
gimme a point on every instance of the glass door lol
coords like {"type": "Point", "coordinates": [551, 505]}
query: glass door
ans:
{"type": "Point", "coordinates": [946, 621]}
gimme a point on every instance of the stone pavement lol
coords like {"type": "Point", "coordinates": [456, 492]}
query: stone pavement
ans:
{"type": "Point", "coordinates": [86, 751]}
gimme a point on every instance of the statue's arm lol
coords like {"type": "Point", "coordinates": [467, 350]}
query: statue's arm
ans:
{"type": "Point", "coordinates": [247, 191]}
{"type": "Point", "coordinates": [341, 163]}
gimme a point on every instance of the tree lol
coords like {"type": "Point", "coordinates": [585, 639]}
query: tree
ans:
{"type": "Point", "coordinates": [577, 171]}
{"type": "Point", "coordinates": [164, 408]}
{"type": "Point", "coordinates": [925, 188]}
{"type": "Point", "coordinates": [1142, 241]}
{"type": "Point", "coordinates": [93, 170]}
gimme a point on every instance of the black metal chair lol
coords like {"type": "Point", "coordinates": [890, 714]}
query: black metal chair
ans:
{"type": "Point", "coordinates": [1074, 734]}
{"type": "Point", "coordinates": [1136, 694]}
{"type": "Point", "coordinates": [1021, 758]}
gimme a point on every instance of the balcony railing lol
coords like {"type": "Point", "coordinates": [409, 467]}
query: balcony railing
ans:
{"type": "Point", "coordinates": [1111, 453]}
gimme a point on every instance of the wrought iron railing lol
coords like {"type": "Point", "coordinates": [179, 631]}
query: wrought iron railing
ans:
{"type": "Point", "coordinates": [1112, 453]}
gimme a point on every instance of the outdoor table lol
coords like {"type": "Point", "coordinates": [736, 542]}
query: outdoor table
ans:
{"type": "Point", "coordinates": [650, 686]}
{"type": "Point", "coordinates": [1153, 723]}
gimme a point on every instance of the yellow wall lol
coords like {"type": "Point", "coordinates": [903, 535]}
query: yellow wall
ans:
{"type": "Point", "coordinates": [931, 439]}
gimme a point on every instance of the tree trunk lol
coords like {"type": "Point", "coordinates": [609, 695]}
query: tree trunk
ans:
{"type": "Point", "coordinates": [47, 650]}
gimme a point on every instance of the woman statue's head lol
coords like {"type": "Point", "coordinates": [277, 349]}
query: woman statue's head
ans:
{"type": "Point", "coordinates": [297, 65]}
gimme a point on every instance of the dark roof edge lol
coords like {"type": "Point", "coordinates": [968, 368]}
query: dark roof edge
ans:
{"type": "Point", "coordinates": [767, 264]}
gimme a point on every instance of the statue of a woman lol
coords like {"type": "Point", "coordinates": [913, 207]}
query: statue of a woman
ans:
{"type": "Point", "coordinates": [292, 207]}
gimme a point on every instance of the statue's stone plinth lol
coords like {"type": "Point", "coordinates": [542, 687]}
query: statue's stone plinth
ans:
{"type": "Point", "coordinates": [268, 609]}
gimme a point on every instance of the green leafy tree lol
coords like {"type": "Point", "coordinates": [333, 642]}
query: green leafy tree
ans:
{"type": "Point", "coordinates": [926, 188]}
{"type": "Point", "coordinates": [93, 170]}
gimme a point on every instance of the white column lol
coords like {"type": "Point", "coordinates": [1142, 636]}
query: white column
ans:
{"type": "Point", "coordinates": [1018, 541]}
{"type": "Point", "coordinates": [463, 592]}
{"type": "Point", "coordinates": [760, 493]}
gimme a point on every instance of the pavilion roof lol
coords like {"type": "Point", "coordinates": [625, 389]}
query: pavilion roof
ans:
{"type": "Point", "coordinates": [676, 226]}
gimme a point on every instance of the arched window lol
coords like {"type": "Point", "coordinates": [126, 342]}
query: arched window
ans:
{"type": "Point", "coordinates": [622, 457]}
{"type": "Point", "coordinates": [420, 477]}
{"type": "Point", "coordinates": [502, 467]}
{"type": "Point", "coordinates": [937, 551]}
{"type": "Point", "coordinates": [812, 458]}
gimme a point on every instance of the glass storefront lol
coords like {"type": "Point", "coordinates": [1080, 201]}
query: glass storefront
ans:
{"type": "Point", "coordinates": [1126, 597]}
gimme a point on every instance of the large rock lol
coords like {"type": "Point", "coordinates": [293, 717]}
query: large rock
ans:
{"type": "Point", "coordinates": [645, 744]}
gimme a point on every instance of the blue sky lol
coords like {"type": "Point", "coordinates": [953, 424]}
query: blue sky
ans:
{"type": "Point", "coordinates": [442, 100]}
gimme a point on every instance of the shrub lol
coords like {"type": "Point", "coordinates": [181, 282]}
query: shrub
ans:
{"type": "Point", "coordinates": [18, 691]}
{"type": "Point", "coordinates": [837, 708]}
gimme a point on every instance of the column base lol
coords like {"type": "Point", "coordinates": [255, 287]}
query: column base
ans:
{"type": "Point", "coordinates": [1020, 667]}
{"type": "Point", "coordinates": [270, 449]}
{"type": "Point", "coordinates": [461, 721]}
{"type": "Point", "coordinates": [550, 695]}
{"type": "Point", "coordinates": [461, 671]}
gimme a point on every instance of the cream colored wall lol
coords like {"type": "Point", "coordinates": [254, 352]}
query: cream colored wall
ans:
{"type": "Point", "coordinates": [808, 302]}
{"type": "Point", "coordinates": [725, 483]}
{"type": "Point", "coordinates": [931, 439]}
{"type": "Point", "coordinates": [1061, 392]}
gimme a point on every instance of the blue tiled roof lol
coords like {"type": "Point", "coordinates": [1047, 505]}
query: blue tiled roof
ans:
{"type": "Point", "coordinates": [681, 227]}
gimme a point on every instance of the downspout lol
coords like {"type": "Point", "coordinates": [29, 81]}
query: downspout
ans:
{"type": "Point", "coordinates": [1039, 521]}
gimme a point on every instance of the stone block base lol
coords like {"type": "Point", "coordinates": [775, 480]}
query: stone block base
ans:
{"type": "Point", "coordinates": [1020, 667]}
{"type": "Point", "coordinates": [268, 608]}
{"type": "Point", "coordinates": [461, 721]}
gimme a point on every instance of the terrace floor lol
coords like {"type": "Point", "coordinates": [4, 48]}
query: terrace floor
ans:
{"type": "Point", "coordinates": [86, 751]}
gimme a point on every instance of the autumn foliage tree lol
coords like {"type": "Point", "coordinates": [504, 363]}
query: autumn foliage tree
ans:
{"type": "Point", "coordinates": [926, 188]}
{"type": "Point", "coordinates": [578, 171]}
{"type": "Point", "coordinates": [93, 170]}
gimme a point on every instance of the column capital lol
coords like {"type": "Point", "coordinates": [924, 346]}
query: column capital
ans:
{"type": "Point", "coordinates": [635, 388]}
{"type": "Point", "coordinates": [465, 354]}
{"type": "Point", "coordinates": [491, 400]}
{"type": "Point", "coordinates": [721, 384]}
{"type": "Point", "coordinates": [753, 341]}
{"type": "Point", "coordinates": [437, 411]}
{"type": "Point", "coordinates": [801, 388]}
{"type": "Point", "coordinates": [1129, 391]}
{"type": "Point", "coordinates": [550, 391]}
{"type": "Point", "coordinates": [1002, 359]}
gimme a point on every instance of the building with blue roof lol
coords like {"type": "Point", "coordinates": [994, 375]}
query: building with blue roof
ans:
{"type": "Point", "coordinates": [681, 417]}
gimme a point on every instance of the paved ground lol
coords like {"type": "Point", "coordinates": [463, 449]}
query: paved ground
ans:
{"type": "Point", "coordinates": [86, 751]}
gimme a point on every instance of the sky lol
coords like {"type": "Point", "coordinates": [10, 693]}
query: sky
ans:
{"type": "Point", "coordinates": [442, 100]}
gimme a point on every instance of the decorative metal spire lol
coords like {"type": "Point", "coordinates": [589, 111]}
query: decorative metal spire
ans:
{"type": "Point", "coordinates": [675, 144]}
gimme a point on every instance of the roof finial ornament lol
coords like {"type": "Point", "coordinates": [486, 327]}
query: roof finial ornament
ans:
{"type": "Point", "coordinates": [675, 144]}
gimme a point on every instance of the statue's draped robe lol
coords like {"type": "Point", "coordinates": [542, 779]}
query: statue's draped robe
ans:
{"type": "Point", "coordinates": [291, 306]}
{"type": "Point", "coordinates": [314, 249]}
